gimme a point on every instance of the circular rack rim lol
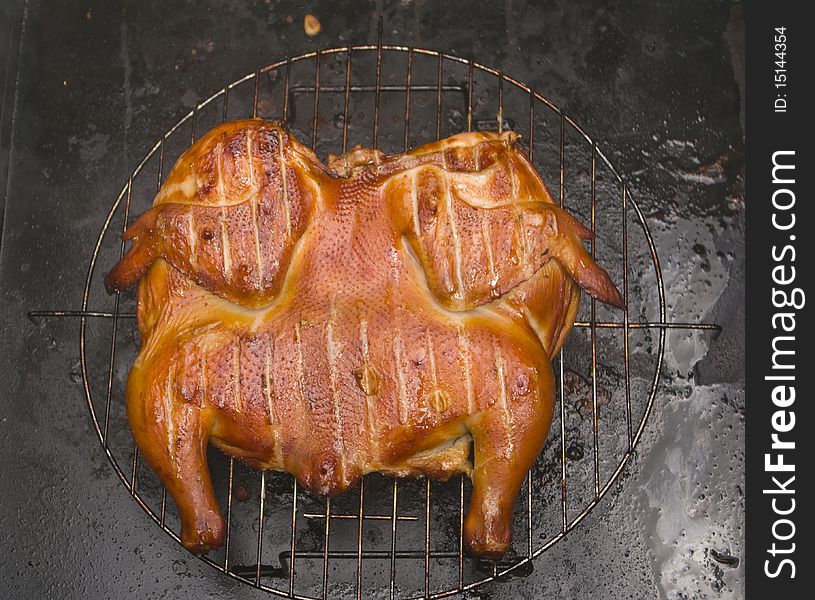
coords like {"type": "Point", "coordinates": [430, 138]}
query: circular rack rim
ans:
{"type": "Point", "coordinates": [662, 325]}
{"type": "Point", "coordinates": [223, 92]}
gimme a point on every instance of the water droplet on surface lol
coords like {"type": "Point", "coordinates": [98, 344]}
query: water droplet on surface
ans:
{"type": "Point", "coordinates": [574, 452]}
{"type": "Point", "coordinates": [180, 567]}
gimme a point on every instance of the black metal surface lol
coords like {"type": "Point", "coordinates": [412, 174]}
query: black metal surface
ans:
{"type": "Point", "coordinates": [656, 83]}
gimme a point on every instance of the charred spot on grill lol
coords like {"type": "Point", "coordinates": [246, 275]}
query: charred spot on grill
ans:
{"type": "Point", "coordinates": [579, 391]}
{"type": "Point", "coordinates": [574, 451]}
{"type": "Point", "coordinates": [241, 493]}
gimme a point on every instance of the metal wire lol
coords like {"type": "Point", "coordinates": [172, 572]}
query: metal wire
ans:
{"type": "Point", "coordinates": [255, 574]}
{"type": "Point", "coordinates": [593, 331]}
{"type": "Point", "coordinates": [562, 396]}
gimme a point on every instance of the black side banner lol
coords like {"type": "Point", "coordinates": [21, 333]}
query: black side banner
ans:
{"type": "Point", "coordinates": [780, 171]}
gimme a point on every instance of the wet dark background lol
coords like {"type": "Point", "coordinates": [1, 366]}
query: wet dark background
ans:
{"type": "Point", "coordinates": [88, 88]}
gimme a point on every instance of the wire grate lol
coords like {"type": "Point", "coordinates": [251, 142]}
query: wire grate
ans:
{"type": "Point", "coordinates": [384, 540]}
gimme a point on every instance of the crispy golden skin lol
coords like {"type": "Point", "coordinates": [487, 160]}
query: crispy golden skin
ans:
{"type": "Point", "coordinates": [376, 315]}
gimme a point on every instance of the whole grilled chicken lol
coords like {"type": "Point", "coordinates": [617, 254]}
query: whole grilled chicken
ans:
{"type": "Point", "coordinates": [379, 314]}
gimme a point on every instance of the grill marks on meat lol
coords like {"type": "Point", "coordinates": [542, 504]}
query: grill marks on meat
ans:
{"type": "Point", "coordinates": [501, 215]}
{"type": "Point", "coordinates": [229, 215]}
{"type": "Point", "coordinates": [372, 316]}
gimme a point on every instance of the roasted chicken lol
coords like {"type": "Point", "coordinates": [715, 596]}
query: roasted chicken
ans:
{"type": "Point", "coordinates": [392, 314]}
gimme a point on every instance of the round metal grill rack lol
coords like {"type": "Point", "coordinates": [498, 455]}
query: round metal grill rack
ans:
{"type": "Point", "coordinates": [392, 538]}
